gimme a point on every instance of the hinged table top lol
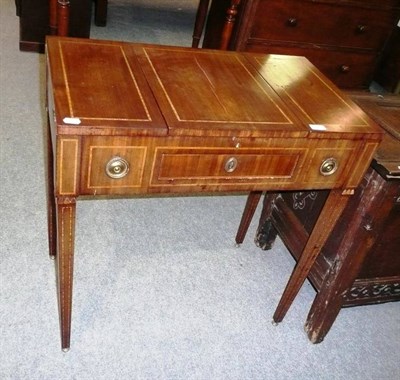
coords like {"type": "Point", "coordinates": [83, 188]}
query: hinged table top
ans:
{"type": "Point", "coordinates": [119, 88]}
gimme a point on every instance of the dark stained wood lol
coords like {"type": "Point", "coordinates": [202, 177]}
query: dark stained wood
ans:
{"type": "Point", "coordinates": [131, 119]}
{"type": "Point", "coordinates": [199, 23]}
{"type": "Point", "coordinates": [248, 213]}
{"type": "Point", "coordinates": [100, 12]}
{"type": "Point", "coordinates": [63, 21]}
{"type": "Point", "coordinates": [38, 18]}
{"type": "Point", "coordinates": [229, 24]}
{"type": "Point", "coordinates": [361, 234]}
{"type": "Point", "coordinates": [332, 210]}
{"type": "Point", "coordinates": [53, 10]}
{"type": "Point", "coordinates": [344, 39]}
{"type": "Point", "coordinates": [266, 233]}
{"type": "Point", "coordinates": [215, 24]}
{"type": "Point", "coordinates": [388, 73]}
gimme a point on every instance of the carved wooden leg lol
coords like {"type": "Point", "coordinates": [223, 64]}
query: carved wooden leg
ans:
{"type": "Point", "coordinates": [330, 213]}
{"type": "Point", "coordinates": [229, 24]}
{"type": "Point", "coordinates": [63, 8]}
{"type": "Point", "coordinates": [266, 232]}
{"type": "Point", "coordinates": [344, 270]}
{"type": "Point", "coordinates": [64, 263]}
{"type": "Point", "coordinates": [249, 209]}
{"type": "Point", "coordinates": [199, 23]}
{"type": "Point", "coordinates": [100, 12]}
{"type": "Point", "coordinates": [51, 203]}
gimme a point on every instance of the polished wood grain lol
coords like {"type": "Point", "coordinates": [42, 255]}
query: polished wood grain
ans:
{"type": "Point", "coordinates": [130, 119]}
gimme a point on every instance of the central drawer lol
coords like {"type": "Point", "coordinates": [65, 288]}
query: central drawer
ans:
{"type": "Point", "coordinates": [224, 166]}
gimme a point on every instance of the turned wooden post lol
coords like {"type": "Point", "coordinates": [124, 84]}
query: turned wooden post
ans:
{"type": "Point", "coordinates": [59, 17]}
{"type": "Point", "coordinates": [63, 7]}
{"type": "Point", "coordinates": [229, 24]}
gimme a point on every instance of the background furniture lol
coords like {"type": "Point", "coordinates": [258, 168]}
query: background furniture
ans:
{"type": "Point", "coordinates": [360, 262]}
{"type": "Point", "coordinates": [144, 130]}
{"type": "Point", "coordinates": [344, 39]}
{"type": "Point", "coordinates": [100, 17]}
{"type": "Point", "coordinates": [388, 73]}
{"type": "Point", "coordinates": [38, 19]}
{"type": "Point", "coordinates": [34, 19]}
{"type": "Point", "coordinates": [100, 12]}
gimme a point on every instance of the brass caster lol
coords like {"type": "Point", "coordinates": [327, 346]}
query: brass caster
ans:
{"type": "Point", "coordinates": [237, 245]}
{"type": "Point", "coordinates": [274, 323]}
{"type": "Point", "coordinates": [65, 349]}
{"type": "Point", "coordinates": [52, 257]}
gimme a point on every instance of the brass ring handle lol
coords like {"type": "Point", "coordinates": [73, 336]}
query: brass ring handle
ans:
{"type": "Point", "coordinates": [328, 166]}
{"type": "Point", "coordinates": [231, 165]}
{"type": "Point", "coordinates": [117, 167]}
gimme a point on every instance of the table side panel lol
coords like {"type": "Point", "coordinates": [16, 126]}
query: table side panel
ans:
{"type": "Point", "coordinates": [68, 166]}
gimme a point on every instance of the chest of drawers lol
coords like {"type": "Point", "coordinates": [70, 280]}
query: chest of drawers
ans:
{"type": "Point", "coordinates": [344, 39]}
{"type": "Point", "coordinates": [130, 119]}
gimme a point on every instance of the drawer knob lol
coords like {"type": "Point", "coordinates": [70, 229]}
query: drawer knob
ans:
{"type": "Point", "coordinates": [328, 166]}
{"type": "Point", "coordinates": [361, 29]}
{"type": "Point", "coordinates": [231, 165]}
{"type": "Point", "coordinates": [345, 68]}
{"type": "Point", "coordinates": [117, 167]}
{"type": "Point", "coordinates": [292, 21]}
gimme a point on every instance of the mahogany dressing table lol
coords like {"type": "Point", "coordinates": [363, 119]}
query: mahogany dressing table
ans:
{"type": "Point", "coordinates": [130, 119]}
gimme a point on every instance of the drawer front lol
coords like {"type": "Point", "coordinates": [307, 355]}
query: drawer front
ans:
{"type": "Point", "coordinates": [345, 69]}
{"type": "Point", "coordinates": [202, 166]}
{"type": "Point", "coordinates": [112, 167]}
{"type": "Point", "coordinates": [323, 23]}
{"type": "Point", "coordinates": [119, 165]}
{"type": "Point", "coordinates": [327, 167]}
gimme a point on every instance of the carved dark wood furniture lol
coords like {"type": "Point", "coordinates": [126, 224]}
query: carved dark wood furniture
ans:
{"type": "Point", "coordinates": [360, 262]}
{"type": "Point", "coordinates": [182, 120]}
{"type": "Point", "coordinates": [345, 39]}
{"type": "Point", "coordinates": [37, 18]}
